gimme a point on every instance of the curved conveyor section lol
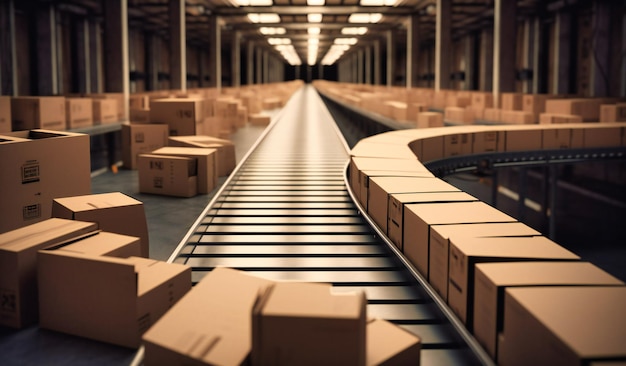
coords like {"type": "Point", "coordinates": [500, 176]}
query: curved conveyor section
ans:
{"type": "Point", "coordinates": [286, 214]}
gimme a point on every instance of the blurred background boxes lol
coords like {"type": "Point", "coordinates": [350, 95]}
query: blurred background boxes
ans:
{"type": "Point", "coordinates": [38, 112]}
{"type": "Point", "coordinates": [105, 111]}
{"type": "Point", "coordinates": [168, 175]}
{"type": "Point", "coordinates": [141, 139]}
{"type": "Point", "coordinates": [5, 114]}
{"type": "Point", "coordinates": [78, 112]}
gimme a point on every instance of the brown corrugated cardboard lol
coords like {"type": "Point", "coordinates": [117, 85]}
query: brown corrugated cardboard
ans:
{"type": "Point", "coordinates": [414, 109]}
{"type": "Point", "coordinates": [466, 252]}
{"type": "Point", "coordinates": [390, 345]}
{"type": "Point", "coordinates": [440, 245]}
{"type": "Point", "coordinates": [121, 296]}
{"type": "Point", "coordinates": [38, 112]}
{"type": "Point", "coordinates": [517, 117]}
{"type": "Point", "coordinates": [487, 141]}
{"type": "Point", "coordinates": [587, 108]}
{"type": "Point", "coordinates": [511, 101]}
{"type": "Point", "coordinates": [523, 139]}
{"type": "Point", "coordinates": [141, 139]}
{"type": "Point", "coordinates": [429, 119]}
{"type": "Point", "coordinates": [563, 325]}
{"type": "Point", "coordinates": [114, 212]}
{"type": "Point", "coordinates": [306, 324]}
{"type": "Point", "coordinates": [207, 164]}
{"type": "Point", "coordinates": [182, 115]}
{"type": "Point", "coordinates": [139, 116]}
{"type": "Point", "coordinates": [381, 187]}
{"type": "Point", "coordinates": [18, 266]}
{"type": "Point", "coordinates": [491, 279]}
{"type": "Point", "coordinates": [455, 144]}
{"type": "Point", "coordinates": [613, 112]}
{"type": "Point", "coordinates": [168, 175]}
{"type": "Point", "coordinates": [139, 101]}
{"type": "Point", "coordinates": [482, 100]}
{"type": "Point", "coordinates": [119, 106]}
{"type": "Point", "coordinates": [226, 160]}
{"type": "Point", "coordinates": [104, 111]}
{"type": "Point", "coordinates": [602, 135]}
{"type": "Point", "coordinates": [562, 137]}
{"type": "Point", "coordinates": [78, 112]}
{"type": "Point", "coordinates": [554, 118]}
{"type": "Point", "coordinates": [43, 165]}
{"type": "Point", "coordinates": [535, 104]}
{"type": "Point", "coordinates": [219, 334]}
{"type": "Point", "coordinates": [5, 114]}
{"type": "Point", "coordinates": [397, 202]}
{"type": "Point", "coordinates": [492, 115]}
{"type": "Point", "coordinates": [418, 219]}
{"type": "Point", "coordinates": [259, 119]}
{"type": "Point", "coordinates": [459, 115]}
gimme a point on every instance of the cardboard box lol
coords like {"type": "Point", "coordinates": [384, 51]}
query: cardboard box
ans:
{"type": "Point", "coordinates": [141, 139]}
{"type": "Point", "coordinates": [517, 117]}
{"type": "Point", "coordinates": [38, 112]}
{"type": "Point", "coordinates": [429, 119]}
{"type": "Point", "coordinates": [139, 102]}
{"type": "Point", "coordinates": [18, 266]}
{"type": "Point", "coordinates": [390, 345]}
{"type": "Point", "coordinates": [381, 187]}
{"type": "Point", "coordinates": [360, 166]}
{"type": "Point", "coordinates": [397, 110]}
{"type": "Point", "coordinates": [306, 324]}
{"type": "Point", "coordinates": [418, 218]}
{"type": "Point", "coordinates": [553, 118]}
{"type": "Point", "coordinates": [492, 115]}
{"type": "Point", "coordinates": [511, 101]}
{"type": "Point", "coordinates": [182, 115]}
{"type": "Point", "coordinates": [113, 212]}
{"type": "Point", "coordinates": [44, 165]}
{"type": "Point", "coordinates": [397, 202]}
{"type": "Point", "coordinates": [487, 141]}
{"type": "Point", "coordinates": [457, 144]}
{"type": "Point", "coordinates": [5, 114]}
{"type": "Point", "coordinates": [440, 245]}
{"type": "Point", "coordinates": [563, 325]}
{"type": "Point", "coordinates": [466, 252]}
{"type": "Point", "coordinates": [562, 137]}
{"type": "Point", "coordinates": [259, 119]}
{"type": "Point", "coordinates": [414, 109]}
{"type": "Point", "coordinates": [459, 115]}
{"type": "Point", "coordinates": [523, 139]}
{"type": "Point", "coordinates": [613, 112]}
{"type": "Point", "coordinates": [602, 135]}
{"type": "Point", "coordinates": [219, 334]}
{"type": "Point", "coordinates": [207, 164]}
{"type": "Point", "coordinates": [141, 116]}
{"type": "Point", "coordinates": [482, 100]}
{"type": "Point", "coordinates": [119, 103]}
{"type": "Point", "coordinates": [587, 108]}
{"type": "Point", "coordinates": [226, 160]}
{"type": "Point", "coordinates": [168, 175]}
{"type": "Point", "coordinates": [493, 278]}
{"type": "Point", "coordinates": [121, 295]}
{"type": "Point", "coordinates": [78, 112]}
{"type": "Point", "coordinates": [535, 104]}
{"type": "Point", "coordinates": [105, 111]}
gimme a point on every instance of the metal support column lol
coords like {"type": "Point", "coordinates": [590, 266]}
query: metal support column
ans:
{"type": "Point", "coordinates": [47, 67]}
{"type": "Point", "coordinates": [116, 49]}
{"type": "Point", "coordinates": [443, 43]}
{"type": "Point", "coordinates": [95, 49]}
{"type": "Point", "coordinates": [178, 45]}
{"type": "Point", "coordinates": [529, 51]}
{"type": "Point", "coordinates": [215, 52]}
{"type": "Point", "coordinates": [562, 41]}
{"type": "Point", "coordinates": [390, 57]}
{"type": "Point", "coordinates": [259, 66]}
{"type": "Point", "coordinates": [8, 57]}
{"type": "Point", "coordinates": [470, 63]}
{"type": "Point", "coordinates": [377, 62]}
{"type": "Point", "coordinates": [236, 60]}
{"type": "Point", "coordinates": [412, 50]}
{"type": "Point", "coordinates": [360, 66]}
{"type": "Point", "coordinates": [601, 49]}
{"type": "Point", "coordinates": [486, 60]}
{"type": "Point", "coordinates": [266, 67]}
{"type": "Point", "coordinates": [504, 47]}
{"type": "Point", "coordinates": [368, 65]}
{"type": "Point", "coordinates": [250, 63]}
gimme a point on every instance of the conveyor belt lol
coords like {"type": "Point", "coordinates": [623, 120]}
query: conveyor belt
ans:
{"type": "Point", "coordinates": [286, 213]}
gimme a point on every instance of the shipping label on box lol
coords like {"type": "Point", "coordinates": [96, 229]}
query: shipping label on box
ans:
{"type": "Point", "coordinates": [167, 175]}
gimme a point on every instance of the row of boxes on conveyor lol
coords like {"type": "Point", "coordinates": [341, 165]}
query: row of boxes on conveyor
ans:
{"type": "Point", "coordinates": [213, 111]}
{"type": "Point", "coordinates": [526, 299]}
{"type": "Point", "coordinates": [412, 105]}
{"type": "Point", "coordinates": [89, 275]}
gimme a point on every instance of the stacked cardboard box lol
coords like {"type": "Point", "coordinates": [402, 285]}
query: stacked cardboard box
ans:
{"type": "Point", "coordinates": [105, 111]}
{"type": "Point", "coordinates": [38, 112]}
{"type": "Point", "coordinates": [184, 116]}
{"type": "Point", "coordinates": [44, 165]}
{"type": "Point", "coordinates": [459, 115]}
{"type": "Point", "coordinates": [613, 112]}
{"type": "Point", "coordinates": [79, 112]}
{"type": "Point", "coordinates": [206, 164]}
{"type": "Point", "coordinates": [226, 160]}
{"type": "Point", "coordinates": [429, 119]}
{"type": "Point", "coordinates": [168, 175]}
{"type": "Point", "coordinates": [5, 114]}
{"type": "Point", "coordinates": [141, 139]}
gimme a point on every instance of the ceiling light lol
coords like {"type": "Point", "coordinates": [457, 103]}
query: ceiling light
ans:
{"type": "Point", "coordinates": [350, 41]}
{"type": "Point", "coordinates": [277, 41]}
{"type": "Point", "coordinates": [264, 18]}
{"type": "Point", "coordinates": [272, 30]}
{"type": "Point", "coordinates": [365, 18]}
{"type": "Point", "coordinates": [314, 30]}
{"type": "Point", "coordinates": [315, 2]}
{"type": "Point", "coordinates": [314, 18]}
{"type": "Point", "coordinates": [379, 2]}
{"type": "Point", "coordinates": [314, 41]}
{"type": "Point", "coordinates": [252, 2]}
{"type": "Point", "coordinates": [354, 30]}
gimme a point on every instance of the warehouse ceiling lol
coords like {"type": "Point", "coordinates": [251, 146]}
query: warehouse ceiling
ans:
{"type": "Point", "coordinates": [305, 28]}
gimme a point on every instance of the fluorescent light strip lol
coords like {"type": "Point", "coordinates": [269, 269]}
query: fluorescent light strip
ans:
{"type": "Point", "coordinates": [314, 17]}
{"type": "Point", "coordinates": [264, 18]}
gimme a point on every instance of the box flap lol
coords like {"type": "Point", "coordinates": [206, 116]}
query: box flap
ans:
{"type": "Point", "coordinates": [458, 213]}
{"type": "Point", "coordinates": [480, 230]}
{"type": "Point", "coordinates": [513, 247]}
{"type": "Point", "coordinates": [102, 244]}
{"type": "Point", "coordinates": [96, 201]}
{"type": "Point", "coordinates": [44, 233]}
